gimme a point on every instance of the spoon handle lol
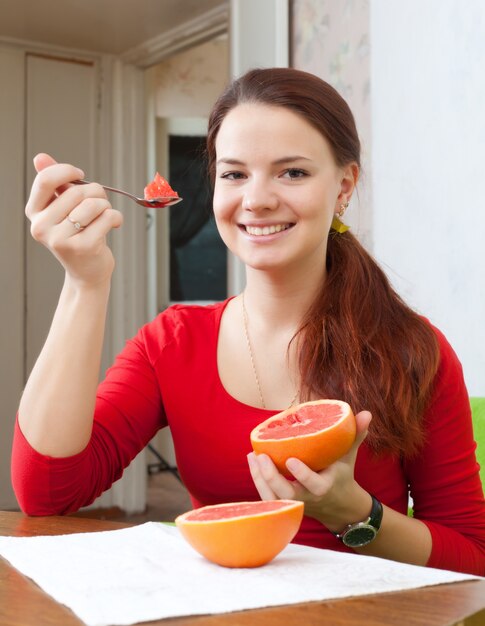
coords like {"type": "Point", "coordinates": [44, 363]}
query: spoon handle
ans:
{"type": "Point", "coordinates": [124, 193]}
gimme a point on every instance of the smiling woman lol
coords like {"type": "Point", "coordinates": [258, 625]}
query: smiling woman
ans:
{"type": "Point", "coordinates": [317, 319]}
{"type": "Point", "coordinates": [280, 196]}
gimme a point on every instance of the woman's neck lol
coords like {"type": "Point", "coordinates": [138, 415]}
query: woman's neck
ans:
{"type": "Point", "coordinates": [281, 300]}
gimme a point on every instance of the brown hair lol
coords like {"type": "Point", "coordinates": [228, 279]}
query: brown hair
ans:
{"type": "Point", "coordinates": [359, 341]}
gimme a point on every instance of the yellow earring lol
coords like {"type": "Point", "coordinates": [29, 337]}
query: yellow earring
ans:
{"type": "Point", "coordinates": [337, 225]}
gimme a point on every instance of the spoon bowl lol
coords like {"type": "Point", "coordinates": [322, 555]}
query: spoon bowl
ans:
{"type": "Point", "coordinates": [155, 203]}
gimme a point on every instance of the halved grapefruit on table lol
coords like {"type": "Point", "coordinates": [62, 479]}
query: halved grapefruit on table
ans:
{"type": "Point", "coordinates": [242, 534]}
{"type": "Point", "coordinates": [317, 433]}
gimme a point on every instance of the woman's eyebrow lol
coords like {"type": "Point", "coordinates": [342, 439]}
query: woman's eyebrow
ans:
{"type": "Point", "coordinates": [290, 159]}
{"type": "Point", "coordinates": [229, 161]}
{"type": "Point", "coordinates": [281, 161]}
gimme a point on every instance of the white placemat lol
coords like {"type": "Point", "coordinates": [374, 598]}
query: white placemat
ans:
{"type": "Point", "coordinates": [149, 572]}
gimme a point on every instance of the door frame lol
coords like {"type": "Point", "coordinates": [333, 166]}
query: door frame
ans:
{"type": "Point", "coordinates": [259, 36]}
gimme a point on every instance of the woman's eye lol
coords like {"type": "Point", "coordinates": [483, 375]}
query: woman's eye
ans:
{"type": "Point", "coordinates": [294, 172]}
{"type": "Point", "coordinates": [232, 175]}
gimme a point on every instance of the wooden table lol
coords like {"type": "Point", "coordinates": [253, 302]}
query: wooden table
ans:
{"type": "Point", "coordinates": [22, 603]}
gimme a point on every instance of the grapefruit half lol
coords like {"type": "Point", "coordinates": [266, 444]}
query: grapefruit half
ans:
{"type": "Point", "coordinates": [241, 534]}
{"type": "Point", "coordinates": [317, 433]}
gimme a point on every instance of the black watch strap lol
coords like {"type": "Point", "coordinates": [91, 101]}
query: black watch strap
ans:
{"type": "Point", "coordinates": [361, 533]}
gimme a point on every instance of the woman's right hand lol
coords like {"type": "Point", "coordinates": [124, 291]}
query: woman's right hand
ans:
{"type": "Point", "coordinates": [331, 496]}
{"type": "Point", "coordinates": [55, 205]}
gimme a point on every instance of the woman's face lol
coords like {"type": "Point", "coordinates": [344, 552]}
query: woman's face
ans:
{"type": "Point", "coordinates": [277, 187]}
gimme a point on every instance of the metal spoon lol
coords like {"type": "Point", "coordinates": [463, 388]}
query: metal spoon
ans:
{"type": "Point", "coordinates": [156, 203]}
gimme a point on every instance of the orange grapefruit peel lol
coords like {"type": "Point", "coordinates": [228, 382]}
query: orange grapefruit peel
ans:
{"type": "Point", "coordinates": [318, 433]}
{"type": "Point", "coordinates": [242, 534]}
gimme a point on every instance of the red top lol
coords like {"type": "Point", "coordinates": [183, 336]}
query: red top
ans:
{"type": "Point", "coordinates": [168, 374]}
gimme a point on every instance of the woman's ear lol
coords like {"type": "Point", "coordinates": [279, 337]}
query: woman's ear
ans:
{"type": "Point", "coordinates": [348, 181]}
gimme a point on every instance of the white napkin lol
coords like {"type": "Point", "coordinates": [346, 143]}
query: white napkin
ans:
{"type": "Point", "coordinates": [149, 572]}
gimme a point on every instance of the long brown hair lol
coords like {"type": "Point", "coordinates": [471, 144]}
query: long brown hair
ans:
{"type": "Point", "coordinates": [359, 341]}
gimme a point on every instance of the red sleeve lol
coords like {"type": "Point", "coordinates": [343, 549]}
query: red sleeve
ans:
{"type": "Point", "coordinates": [128, 413]}
{"type": "Point", "coordinates": [445, 482]}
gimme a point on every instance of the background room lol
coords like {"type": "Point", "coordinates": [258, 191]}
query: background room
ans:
{"type": "Point", "coordinates": [124, 90]}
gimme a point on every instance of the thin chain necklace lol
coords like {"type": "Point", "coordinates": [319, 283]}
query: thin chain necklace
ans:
{"type": "Point", "coordinates": [256, 377]}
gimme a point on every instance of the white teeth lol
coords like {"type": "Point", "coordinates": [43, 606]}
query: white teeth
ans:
{"type": "Point", "coordinates": [266, 230]}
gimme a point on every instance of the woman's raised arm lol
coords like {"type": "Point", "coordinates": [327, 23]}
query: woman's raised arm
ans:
{"type": "Point", "coordinates": [56, 409]}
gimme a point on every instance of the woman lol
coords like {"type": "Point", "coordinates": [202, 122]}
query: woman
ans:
{"type": "Point", "coordinates": [317, 319]}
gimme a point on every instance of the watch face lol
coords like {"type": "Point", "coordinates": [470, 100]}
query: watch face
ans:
{"type": "Point", "coordinates": [361, 536]}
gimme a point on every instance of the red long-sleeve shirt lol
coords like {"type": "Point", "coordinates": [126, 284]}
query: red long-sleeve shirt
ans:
{"type": "Point", "coordinates": [167, 375]}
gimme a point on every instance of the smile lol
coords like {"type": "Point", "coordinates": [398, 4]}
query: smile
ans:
{"type": "Point", "coordinates": [266, 230]}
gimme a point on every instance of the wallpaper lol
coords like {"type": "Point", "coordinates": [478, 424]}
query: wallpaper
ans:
{"type": "Point", "coordinates": [188, 83]}
{"type": "Point", "coordinates": [331, 39]}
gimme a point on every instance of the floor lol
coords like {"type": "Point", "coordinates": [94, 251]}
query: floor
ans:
{"type": "Point", "coordinates": [166, 498]}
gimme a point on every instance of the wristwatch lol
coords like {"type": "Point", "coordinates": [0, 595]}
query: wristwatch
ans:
{"type": "Point", "coordinates": [361, 533]}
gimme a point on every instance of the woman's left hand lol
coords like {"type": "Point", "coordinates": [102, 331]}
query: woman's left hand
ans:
{"type": "Point", "coordinates": [331, 496]}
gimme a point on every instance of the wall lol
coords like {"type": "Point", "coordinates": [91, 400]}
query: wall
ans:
{"type": "Point", "coordinates": [11, 256]}
{"type": "Point", "coordinates": [418, 100]}
{"type": "Point", "coordinates": [428, 95]}
{"type": "Point", "coordinates": [187, 84]}
{"type": "Point", "coordinates": [49, 106]}
{"type": "Point", "coordinates": [120, 108]}
{"type": "Point", "coordinates": [87, 117]}
{"type": "Point", "coordinates": [332, 40]}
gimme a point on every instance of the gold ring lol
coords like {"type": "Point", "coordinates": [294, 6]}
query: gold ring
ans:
{"type": "Point", "coordinates": [77, 225]}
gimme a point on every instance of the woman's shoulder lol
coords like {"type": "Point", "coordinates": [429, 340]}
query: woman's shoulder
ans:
{"type": "Point", "coordinates": [183, 322]}
{"type": "Point", "coordinates": [448, 355]}
{"type": "Point", "coordinates": [190, 313]}
{"type": "Point", "coordinates": [449, 383]}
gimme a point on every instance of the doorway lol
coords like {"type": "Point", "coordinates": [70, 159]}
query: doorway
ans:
{"type": "Point", "coordinates": [198, 258]}
{"type": "Point", "coordinates": [187, 260]}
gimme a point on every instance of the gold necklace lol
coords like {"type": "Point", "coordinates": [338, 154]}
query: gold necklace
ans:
{"type": "Point", "coordinates": [256, 377]}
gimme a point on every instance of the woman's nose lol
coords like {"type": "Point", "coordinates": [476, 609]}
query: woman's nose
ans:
{"type": "Point", "coordinates": [259, 199]}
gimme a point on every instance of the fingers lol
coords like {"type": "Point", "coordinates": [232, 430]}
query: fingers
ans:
{"type": "Point", "coordinates": [93, 212]}
{"type": "Point", "coordinates": [255, 468]}
{"type": "Point", "coordinates": [49, 182]}
{"type": "Point", "coordinates": [42, 160]}
{"type": "Point", "coordinates": [100, 226]}
{"type": "Point", "coordinates": [76, 206]}
{"type": "Point", "coordinates": [83, 214]}
{"type": "Point", "coordinates": [269, 482]}
{"type": "Point", "coordinates": [362, 420]}
{"type": "Point", "coordinates": [317, 484]}
{"type": "Point", "coordinates": [93, 218]}
{"type": "Point", "coordinates": [72, 221]}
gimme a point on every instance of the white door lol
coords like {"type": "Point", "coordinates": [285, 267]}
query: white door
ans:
{"type": "Point", "coordinates": [61, 120]}
{"type": "Point", "coordinates": [11, 255]}
{"type": "Point", "coordinates": [50, 105]}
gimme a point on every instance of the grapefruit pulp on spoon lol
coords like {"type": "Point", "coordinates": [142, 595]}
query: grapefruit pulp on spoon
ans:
{"type": "Point", "coordinates": [317, 433]}
{"type": "Point", "coordinates": [241, 534]}
{"type": "Point", "coordinates": [159, 188]}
